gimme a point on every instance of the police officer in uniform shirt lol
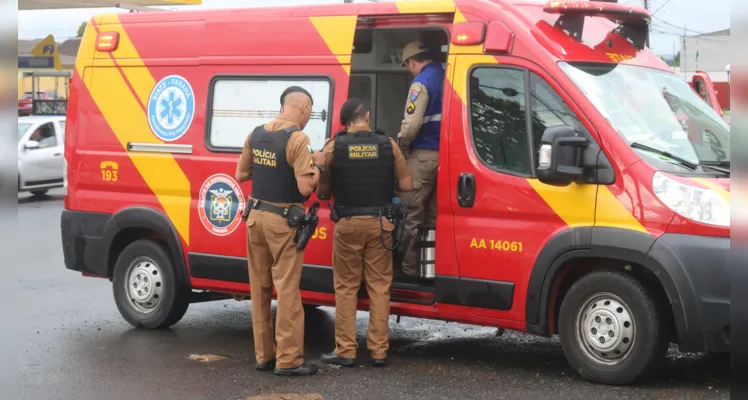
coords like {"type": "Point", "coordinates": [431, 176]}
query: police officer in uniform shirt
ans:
{"type": "Point", "coordinates": [278, 159]}
{"type": "Point", "coordinates": [419, 141]}
{"type": "Point", "coordinates": [360, 170]}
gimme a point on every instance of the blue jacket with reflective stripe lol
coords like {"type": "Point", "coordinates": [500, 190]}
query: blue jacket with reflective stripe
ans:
{"type": "Point", "coordinates": [432, 78]}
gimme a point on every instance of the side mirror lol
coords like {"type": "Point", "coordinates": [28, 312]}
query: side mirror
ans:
{"type": "Point", "coordinates": [560, 157]}
{"type": "Point", "coordinates": [31, 145]}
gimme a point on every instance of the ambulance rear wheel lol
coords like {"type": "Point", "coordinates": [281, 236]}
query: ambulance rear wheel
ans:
{"type": "Point", "coordinates": [310, 308]}
{"type": "Point", "coordinates": [145, 286]}
{"type": "Point", "coordinates": [611, 329]}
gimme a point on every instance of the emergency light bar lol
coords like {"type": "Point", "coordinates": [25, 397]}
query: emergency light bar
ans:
{"type": "Point", "coordinates": [633, 20]}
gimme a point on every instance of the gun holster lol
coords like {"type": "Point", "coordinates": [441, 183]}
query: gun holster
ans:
{"type": "Point", "coordinates": [334, 215]}
{"type": "Point", "coordinates": [247, 209]}
{"type": "Point", "coordinates": [296, 217]}
{"type": "Point", "coordinates": [396, 214]}
{"type": "Point", "coordinates": [306, 226]}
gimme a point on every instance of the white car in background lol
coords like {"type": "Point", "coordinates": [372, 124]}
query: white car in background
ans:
{"type": "Point", "coordinates": [41, 147]}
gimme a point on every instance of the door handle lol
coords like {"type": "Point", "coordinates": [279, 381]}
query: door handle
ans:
{"type": "Point", "coordinates": [466, 190]}
{"type": "Point", "coordinates": [58, 154]}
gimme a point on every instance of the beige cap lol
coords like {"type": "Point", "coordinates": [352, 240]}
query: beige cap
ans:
{"type": "Point", "coordinates": [413, 48]}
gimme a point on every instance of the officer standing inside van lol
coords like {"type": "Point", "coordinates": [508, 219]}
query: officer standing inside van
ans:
{"type": "Point", "coordinates": [360, 169]}
{"type": "Point", "coordinates": [278, 159]}
{"type": "Point", "coordinates": [419, 140]}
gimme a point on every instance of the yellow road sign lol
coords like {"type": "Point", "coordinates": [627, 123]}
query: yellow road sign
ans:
{"type": "Point", "coordinates": [48, 48]}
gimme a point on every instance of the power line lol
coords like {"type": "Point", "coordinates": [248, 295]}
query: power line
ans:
{"type": "Point", "coordinates": [661, 31]}
{"type": "Point", "coordinates": [677, 27]}
{"type": "Point", "coordinates": [661, 7]}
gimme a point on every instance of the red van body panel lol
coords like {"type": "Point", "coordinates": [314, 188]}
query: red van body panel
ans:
{"type": "Point", "coordinates": [515, 236]}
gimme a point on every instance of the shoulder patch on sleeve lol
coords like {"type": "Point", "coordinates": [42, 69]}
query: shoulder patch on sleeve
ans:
{"type": "Point", "coordinates": [411, 108]}
{"type": "Point", "coordinates": [415, 90]}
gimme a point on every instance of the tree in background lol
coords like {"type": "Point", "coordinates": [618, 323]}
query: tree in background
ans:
{"type": "Point", "coordinates": [81, 29]}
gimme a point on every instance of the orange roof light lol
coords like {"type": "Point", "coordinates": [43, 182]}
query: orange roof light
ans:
{"type": "Point", "coordinates": [468, 33]}
{"type": "Point", "coordinates": [107, 41]}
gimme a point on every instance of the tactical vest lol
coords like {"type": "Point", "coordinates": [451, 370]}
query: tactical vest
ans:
{"type": "Point", "coordinates": [363, 171]}
{"type": "Point", "coordinates": [273, 179]}
{"type": "Point", "coordinates": [432, 78]}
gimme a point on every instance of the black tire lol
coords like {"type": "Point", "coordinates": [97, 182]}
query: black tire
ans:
{"type": "Point", "coordinates": [649, 340]}
{"type": "Point", "coordinates": [39, 193]}
{"type": "Point", "coordinates": [308, 308]}
{"type": "Point", "coordinates": [173, 299]}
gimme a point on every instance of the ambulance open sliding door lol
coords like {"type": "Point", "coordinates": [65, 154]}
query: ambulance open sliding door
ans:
{"type": "Point", "coordinates": [363, 86]}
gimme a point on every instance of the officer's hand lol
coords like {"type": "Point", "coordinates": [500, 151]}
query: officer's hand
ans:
{"type": "Point", "coordinates": [318, 157]}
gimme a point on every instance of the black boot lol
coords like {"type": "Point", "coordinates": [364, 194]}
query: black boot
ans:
{"type": "Point", "coordinates": [302, 370]}
{"type": "Point", "coordinates": [334, 358]}
{"type": "Point", "coordinates": [378, 362]}
{"type": "Point", "coordinates": [265, 366]}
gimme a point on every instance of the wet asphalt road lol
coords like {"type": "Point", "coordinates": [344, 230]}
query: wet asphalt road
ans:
{"type": "Point", "coordinates": [75, 345]}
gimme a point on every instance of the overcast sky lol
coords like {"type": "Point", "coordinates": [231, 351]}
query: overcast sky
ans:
{"type": "Point", "coordinates": [670, 18]}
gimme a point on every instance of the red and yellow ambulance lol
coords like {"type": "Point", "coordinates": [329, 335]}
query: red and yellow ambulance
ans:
{"type": "Point", "coordinates": [571, 199]}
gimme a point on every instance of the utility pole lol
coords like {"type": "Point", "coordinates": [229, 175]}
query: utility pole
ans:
{"type": "Point", "coordinates": [649, 26]}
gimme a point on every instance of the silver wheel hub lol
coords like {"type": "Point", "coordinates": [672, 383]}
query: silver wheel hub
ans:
{"type": "Point", "coordinates": [605, 329]}
{"type": "Point", "coordinates": [144, 284]}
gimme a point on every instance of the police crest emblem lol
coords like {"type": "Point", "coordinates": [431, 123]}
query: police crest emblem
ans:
{"type": "Point", "coordinates": [220, 204]}
{"type": "Point", "coordinates": [414, 92]}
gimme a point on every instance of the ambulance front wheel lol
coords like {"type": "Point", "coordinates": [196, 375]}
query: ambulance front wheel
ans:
{"type": "Point", "coordinates": [611, 329]}
{"type": "Point", "coordinates": [145, 287]}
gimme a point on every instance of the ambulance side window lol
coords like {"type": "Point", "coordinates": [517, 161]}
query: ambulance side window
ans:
{"type": "Point", "coordinates": [549, 109]}
{"type": "Point", "coordinates": [504, 139]}
{"type": "Point", "coordinates": [498, 118]}
{"type": "Point", "coordinates": [237, 104]}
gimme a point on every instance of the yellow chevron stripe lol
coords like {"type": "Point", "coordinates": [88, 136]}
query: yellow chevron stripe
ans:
{"type": "Point", "coordinates": [717, 188]}
{"type": "Point", "coordinates": [85, 54]}
{"type": "Point", "coordinates": [338, 32]}
{"type": "Point", "coordinates": [425, 6]}
{"type": "Point", "coordinates": [587, 205]}
{"type": "Point", "coordinates": [575, 204]}
{"type": "Point", "coordinates": [129, 123]}
{"type": "Point", "coordinates": [610, 212]}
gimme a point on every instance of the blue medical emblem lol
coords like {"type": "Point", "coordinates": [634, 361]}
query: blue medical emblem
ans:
{"type": "Point", "coordinates": [171, 108]}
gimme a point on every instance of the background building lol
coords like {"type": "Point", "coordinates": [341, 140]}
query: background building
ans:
{"type": "Point", "coordinates": [67, 52]}
{"type": "Point", "coordinates": [708, 52]}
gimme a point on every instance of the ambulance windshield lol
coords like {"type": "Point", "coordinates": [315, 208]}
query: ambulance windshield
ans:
{"type": "Point", "coordinates": [655, 109]}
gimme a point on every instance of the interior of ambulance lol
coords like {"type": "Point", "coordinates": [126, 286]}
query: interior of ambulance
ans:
{"type": "Point", "coordinates": [379, 79]}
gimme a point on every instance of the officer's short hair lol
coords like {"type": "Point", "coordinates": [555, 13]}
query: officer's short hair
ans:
{"type": "Point", "coordinates": [352, 110]}
{"type": "Point", "coordinates": [295, 89]}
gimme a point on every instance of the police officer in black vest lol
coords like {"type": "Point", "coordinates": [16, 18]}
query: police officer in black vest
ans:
{"type": "Point", "coordinates": [360, 169]}
{"type": "Point", "coordinates": [278, 159]}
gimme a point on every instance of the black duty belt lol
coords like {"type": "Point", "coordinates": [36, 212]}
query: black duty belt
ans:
{"type": "Point", "coordinates": [344, 212]}
{"type": "Point", "coordinates": [282, 211]}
